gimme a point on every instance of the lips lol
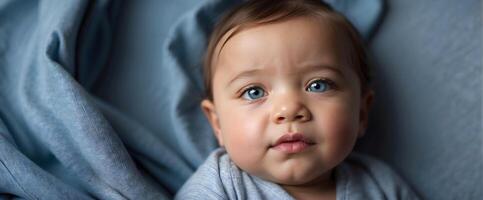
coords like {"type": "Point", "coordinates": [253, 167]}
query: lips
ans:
{"type": "Point", "coordinates": [292, 143]}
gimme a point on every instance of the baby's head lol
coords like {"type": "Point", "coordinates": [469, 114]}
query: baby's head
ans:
{"type": "Point", "coordinates": [287, 89]}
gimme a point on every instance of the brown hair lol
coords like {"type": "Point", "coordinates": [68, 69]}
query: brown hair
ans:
{"type": "Point", "coordinates": [257, 12]}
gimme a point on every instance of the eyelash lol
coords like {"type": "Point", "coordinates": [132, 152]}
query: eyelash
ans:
{"type": "Point", "coordinates": [329, 82]}
{"type": "Point", "coordinates": [247, 88]}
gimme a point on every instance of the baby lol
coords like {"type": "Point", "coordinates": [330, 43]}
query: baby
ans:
{"type": "Point", "coordinates": [288, 95]}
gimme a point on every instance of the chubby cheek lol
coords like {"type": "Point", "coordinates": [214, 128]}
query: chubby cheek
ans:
{"type": "Point", "coordinates": [243, 132]}
{"type": "Point", "coordinates": [338, 131]}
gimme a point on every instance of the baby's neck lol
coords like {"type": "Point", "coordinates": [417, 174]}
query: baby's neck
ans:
{"type": "Point", "coordinates": [323, 187]}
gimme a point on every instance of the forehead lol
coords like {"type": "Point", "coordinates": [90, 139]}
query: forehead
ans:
{"type": "Point", "coordinates": [283, 46]}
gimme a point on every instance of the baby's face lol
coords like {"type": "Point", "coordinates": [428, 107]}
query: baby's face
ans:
{"type": "Point", "coordinates": [287, 104]}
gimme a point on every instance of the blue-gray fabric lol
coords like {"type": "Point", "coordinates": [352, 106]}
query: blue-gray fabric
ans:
{"type": "Point", "coordinates": [358, 177]}
{"type": "Point", "coordinates": [55, 143]}
{"type": "Point", "coordinates": [427, 116]}
{"type": "Point", "coordinates": [98, 99]}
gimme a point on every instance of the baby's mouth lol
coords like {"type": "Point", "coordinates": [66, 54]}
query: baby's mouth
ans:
{"type": "Point", "coordinates": [292, 143]}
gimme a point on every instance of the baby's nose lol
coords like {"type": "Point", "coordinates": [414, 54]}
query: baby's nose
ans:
{"type": "Point", "coordinates": [291, 112]}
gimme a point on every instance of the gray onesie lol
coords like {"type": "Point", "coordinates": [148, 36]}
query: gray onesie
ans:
{"type": "Point", "coordinates": [358, 177]}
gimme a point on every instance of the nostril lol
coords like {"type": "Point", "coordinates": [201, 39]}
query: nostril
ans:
{"type": "Point", "coordinates": [280, 119]}
{"type": "Point", "coordinates": [299, 117]}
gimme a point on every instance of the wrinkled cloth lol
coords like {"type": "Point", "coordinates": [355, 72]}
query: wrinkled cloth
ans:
{"type": "Point", "coordinates": [358, 177]}
{"type": "Point", "coordinates": [61, 139]}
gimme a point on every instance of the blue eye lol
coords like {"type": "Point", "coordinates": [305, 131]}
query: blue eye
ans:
{"type": "Point", "coordinates": [318, 86]}
{"type": "Point", "coordinates": [253, 93]}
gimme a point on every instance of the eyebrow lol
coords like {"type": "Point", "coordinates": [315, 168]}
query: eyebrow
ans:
{"type": "Point", "coordinates": [306, 69]}
{"type": "Point", "coordinates": [312, 68]}
{"type": "Point", "coordinates": [244, 74]}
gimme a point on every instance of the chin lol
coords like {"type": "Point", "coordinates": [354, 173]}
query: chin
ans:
{"type": "Point", "coordinates": [302, 177]}
{"type": "Point", "coordinates": [292, 182]}
{"type": "Point", "coordinates": [295, 179]}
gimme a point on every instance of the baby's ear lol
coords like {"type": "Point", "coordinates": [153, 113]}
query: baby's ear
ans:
{"type": "Point", "coordinates": [366, 103]}
{"type": "Point", "coordinates": [209, 109]}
